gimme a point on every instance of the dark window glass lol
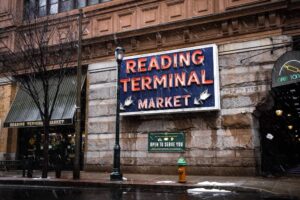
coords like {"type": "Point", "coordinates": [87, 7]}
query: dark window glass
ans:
{"type": "Point", "coordinates": [66, 5]}
{"type": "Point", "coordinates": [296, 43]}
{"type": "Point", "coordinates": [30, 9]}
{"type": "Point", "coordinates": [31, 4]}
{"type": "Point", "coordinates": [42, 11]}
{"type": "Point", "coordinates": [81, 3]}
{"type": "Point", "coordinates": [92, 2]}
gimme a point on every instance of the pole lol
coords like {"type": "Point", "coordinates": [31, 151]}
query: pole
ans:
{"type": "Point", "coordinates": [116, 174]}
{"type": "Point", "coordinates": [76, 170]}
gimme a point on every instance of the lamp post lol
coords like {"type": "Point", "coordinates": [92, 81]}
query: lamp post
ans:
{"type": "Point", "coordinates": [116, 174]}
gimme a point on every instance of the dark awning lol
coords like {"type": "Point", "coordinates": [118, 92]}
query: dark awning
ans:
{"type": "Point", "coordinates": [24, 112]}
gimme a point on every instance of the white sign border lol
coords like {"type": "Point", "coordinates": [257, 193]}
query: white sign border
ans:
{"type": "Point", "coordinates": [183, 110]}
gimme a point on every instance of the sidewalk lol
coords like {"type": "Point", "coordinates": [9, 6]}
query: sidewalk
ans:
{"type": "Point", "coordinates": [284, 185]}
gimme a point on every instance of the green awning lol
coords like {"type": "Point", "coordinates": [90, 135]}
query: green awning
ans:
{"type": "Point", "coordinates": [24, 112]}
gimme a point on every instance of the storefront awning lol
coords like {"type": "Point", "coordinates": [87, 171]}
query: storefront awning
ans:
{"type": "Point", "coordinates": [24, 112]}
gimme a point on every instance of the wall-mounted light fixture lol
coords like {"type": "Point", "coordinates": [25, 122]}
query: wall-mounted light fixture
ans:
{"type": "Point", "coordinates": [279, 112]}
{"type": "Point", "coordinates": [290, 127]}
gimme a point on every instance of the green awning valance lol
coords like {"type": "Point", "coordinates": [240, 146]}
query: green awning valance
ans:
{"type": "Point", "coordinates": [24, 112]}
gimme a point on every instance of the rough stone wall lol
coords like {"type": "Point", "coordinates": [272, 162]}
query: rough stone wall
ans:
{"type": "Point", "coordinates": [218, 143]}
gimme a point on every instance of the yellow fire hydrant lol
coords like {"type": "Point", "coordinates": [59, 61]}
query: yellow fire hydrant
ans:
{"type": "Point", "coordinates": [181, 170]}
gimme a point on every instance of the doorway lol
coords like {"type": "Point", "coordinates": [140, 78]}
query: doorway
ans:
{"type": "Point", "coordinates": [280, 132]}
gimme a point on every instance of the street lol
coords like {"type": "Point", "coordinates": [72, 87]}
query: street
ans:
{"type": "Point", "coordinates": [17, 192]}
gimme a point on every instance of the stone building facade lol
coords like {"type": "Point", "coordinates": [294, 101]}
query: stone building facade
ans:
{"type": "Point", "coordinates": [250, 34]}
{"type": "Point", "coordinates": [222, 143]}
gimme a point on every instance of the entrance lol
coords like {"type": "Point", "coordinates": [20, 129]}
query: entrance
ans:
{"type": "Point", "coordinates": [61, 146]}
{"type": "Point", "coordinates": [280, 132]}
{"type": "Point", "coordinates": [280, 120]}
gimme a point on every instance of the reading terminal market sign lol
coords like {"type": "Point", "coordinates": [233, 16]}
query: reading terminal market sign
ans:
{"type": "Point", "coordinates": [182, 80]}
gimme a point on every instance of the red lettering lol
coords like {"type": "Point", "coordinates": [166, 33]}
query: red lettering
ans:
{"type": "Point", "coordinates": [166, 61]}
{"type": "Point", "coordinates": [153, 64]}
{"type": "Point", "coordinates": [203, 78]}
{"type": "Point", "coordinates": [142, 64]}
{"type": "Point", "coordinates": [193, 78]}
{"type": "Point", "coordinates": [160, 81]}
{"type": "Point", "coordinates": [135, 84]}
{"type": "Point", "coordinates": [130, 66]}
{"type": "Point", "coordinates": [124, 81]}
{"type": "Point", "coordinates": [170, 80]}
{"type": "Point", "coordinates": [175, 60]}
{"type": "Point", "coordinates": [184, 59]}
{"type": "Point", "coordinates": [180, 79]}
{"type": "Point", "coordinates": [146, 81]}
{"type": "Point", "coordinates": [197, 57]}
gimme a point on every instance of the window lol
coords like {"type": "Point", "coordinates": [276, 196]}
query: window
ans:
{"type": "Point", "coordinates": [296, 43]}
{"type": "Point", "coordinates": [81, 3]}
{"type": "Point", "coordinates": [30, 8]}
{"type": "Point", "coordinates": [53, 7]}
{"type": "Point", "coordinates": [66, 5]}
{"type": "Point", "coordinates": [42, 7]}
{"type": "Point", "coordinates": [50, 7]}
{"type": "Point", "coordinates": [92, 2]}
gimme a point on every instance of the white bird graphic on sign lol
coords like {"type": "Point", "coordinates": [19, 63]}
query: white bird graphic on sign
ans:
{"type": "Point", "coordinates": [121, 107]}
{"type": "Point", "coordinates": [203, 96]}
{"type": "Point", "coordinates": [127, 103]}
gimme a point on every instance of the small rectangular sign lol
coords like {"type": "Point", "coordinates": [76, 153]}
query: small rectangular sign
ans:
{"type": "Point", "coordinates": [166, 142]}
{"type": "Point", "coordinates": [182, 80]}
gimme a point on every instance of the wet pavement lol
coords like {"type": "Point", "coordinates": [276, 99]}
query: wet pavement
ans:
{"type": "Point", "coordinates": [151, 185]}
{"type": "Point", "coordinates": [14, 192]}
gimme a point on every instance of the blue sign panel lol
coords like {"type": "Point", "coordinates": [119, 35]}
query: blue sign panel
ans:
{"type": "Point", "coordinates": [182, 80]}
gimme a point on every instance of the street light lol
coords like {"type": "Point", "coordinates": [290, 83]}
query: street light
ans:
{"type": "Point", "coordinates": [116, 174]}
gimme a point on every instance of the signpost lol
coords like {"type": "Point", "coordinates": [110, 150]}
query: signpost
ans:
{"type": "Point", "coordinates": [166, 142]}
{"type": "Point", "coordinates": [182, 80]}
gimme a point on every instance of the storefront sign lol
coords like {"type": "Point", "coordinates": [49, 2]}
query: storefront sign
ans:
{"type": "Point", "coordinates": [166, 142]}
{"type": "Point", "coordinates": [181, 80]}
{"type": "Point", "coordinates": [56, 122]}
{"type": "Point", "coordinates": [286, 69]}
